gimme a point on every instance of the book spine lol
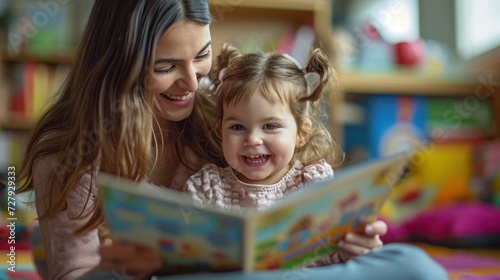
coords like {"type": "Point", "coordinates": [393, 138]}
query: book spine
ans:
{"type": "Point", "coordinates": [249, 246]}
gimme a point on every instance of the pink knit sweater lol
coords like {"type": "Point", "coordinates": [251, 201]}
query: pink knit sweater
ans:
{"type": "Point", "coordinates": [221, 186]}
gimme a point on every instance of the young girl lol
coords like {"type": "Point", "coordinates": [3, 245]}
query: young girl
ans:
{"type": "Point", "coordinates": [270, 128]}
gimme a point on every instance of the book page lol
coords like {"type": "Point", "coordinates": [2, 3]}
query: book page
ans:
{"type": "Point", "coordinates": [309, 224]}
{"type": "Point", "coordinates": [189, 237]}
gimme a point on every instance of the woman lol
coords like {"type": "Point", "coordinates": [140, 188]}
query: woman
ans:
{"type": "Point", "coordinates": [128, 108]}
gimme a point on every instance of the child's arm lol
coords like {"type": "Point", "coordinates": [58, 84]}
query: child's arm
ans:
{"type": "Point", "coordinates": [354, 245]}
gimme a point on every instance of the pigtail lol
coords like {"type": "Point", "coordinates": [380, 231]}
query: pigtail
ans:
{"type": "Point", "coordinates": [320, 77]}
{"type": "Point", "coordinates": [318, 64]}
{"type": "Point", "coordinates": [227, 53]}
{"type": "Point", "coordinates": [214, 136]}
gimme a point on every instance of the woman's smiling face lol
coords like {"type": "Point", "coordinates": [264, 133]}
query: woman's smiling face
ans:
{"type": "Point", "coordinates": [183, 56]}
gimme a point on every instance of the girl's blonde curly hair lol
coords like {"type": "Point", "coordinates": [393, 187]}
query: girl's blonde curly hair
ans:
{"type": "Point", "coordinates": [281, 79]}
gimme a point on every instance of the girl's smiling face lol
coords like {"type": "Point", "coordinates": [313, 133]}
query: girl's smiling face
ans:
{"type": "Point", "coordinates": [183, 56]}
{"type": "Point", "coordinates": [259, 139]}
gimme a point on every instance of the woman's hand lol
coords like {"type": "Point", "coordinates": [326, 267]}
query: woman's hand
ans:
{"type": "Point", "coordinates": [134, 260]}
{"type": "Point", "coordinates": [355, 244]}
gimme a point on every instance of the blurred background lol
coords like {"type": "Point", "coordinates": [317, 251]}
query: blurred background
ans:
{"type": "Point", "coordinates": [413, 74]}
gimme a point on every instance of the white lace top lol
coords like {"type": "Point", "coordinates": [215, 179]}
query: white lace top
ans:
{"type": "Point", "coordinates": [221, 186]}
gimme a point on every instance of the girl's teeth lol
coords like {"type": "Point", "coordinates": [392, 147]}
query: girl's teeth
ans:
{"type": "Point", "coordinates": [256, 159]}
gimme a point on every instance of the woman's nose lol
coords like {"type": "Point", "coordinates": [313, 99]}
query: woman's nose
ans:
{"type": "Point", "coordinates": [189, 81]}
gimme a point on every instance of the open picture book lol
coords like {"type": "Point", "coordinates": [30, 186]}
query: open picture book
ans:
{"type": "Point", "coordinates": [302, 226]}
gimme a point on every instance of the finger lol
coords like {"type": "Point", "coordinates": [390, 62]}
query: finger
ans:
{"type": "Point", "coordinates": [120, 252]}
{"type": "Point", "coordinates": [107, 241]}
{"type": "Point", "coordinates": [116, 252]}
{"type": "Point", "coordinates": [349, 250]}
{"type": "Point", "coordinates": [145, 264]}
{"type": "Point", "coordinates": [362, 240]}
{"type": "Point", "coordinates": [130, 259]}
{"type": "Point", "coordinates": [376, 228]}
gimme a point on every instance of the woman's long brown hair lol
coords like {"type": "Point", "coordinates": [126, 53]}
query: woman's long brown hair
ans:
{"type": "Point", "coordinates": [103, 119]}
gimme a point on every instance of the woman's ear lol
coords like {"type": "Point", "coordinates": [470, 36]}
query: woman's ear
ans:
{"type": "Point", "coordinates": [303, 133]}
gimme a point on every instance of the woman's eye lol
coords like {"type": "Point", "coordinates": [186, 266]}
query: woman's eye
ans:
{"type": "Point", "coordinates": [203, 56]}
{"type": "Point", "coordinates": [165, 70]}
{"type": "Point", "coordinates": [237, 127]}
{"type": "Point", "coordinates": [270, 126]}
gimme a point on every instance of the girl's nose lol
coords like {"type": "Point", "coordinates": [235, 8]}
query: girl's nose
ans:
{"type": "Point", "coordinates": [253, 139]}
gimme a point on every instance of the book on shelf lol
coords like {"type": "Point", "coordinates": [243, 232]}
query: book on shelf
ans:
{"type": "Point", "coordinates": [293, 231]}
{"type": "Point", "coordinates": [39, 29]}
{"type": "Point", "coordinates": [453, 119]}
{"type": "Point", "coordinates": [33, 89]}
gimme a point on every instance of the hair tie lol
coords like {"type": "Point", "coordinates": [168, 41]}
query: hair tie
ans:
{"type": "Point", "coordinates": [312, 81]}
{"type": "Point", "coordinates": [293, 60]}
{"type": "Point", "coordinates": [312, 78]}
{"type": "Point", "coordinates": [220, 77]}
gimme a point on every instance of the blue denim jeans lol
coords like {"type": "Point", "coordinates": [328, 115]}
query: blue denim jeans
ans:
{"type": "Point", "coordinates": [393, 261]}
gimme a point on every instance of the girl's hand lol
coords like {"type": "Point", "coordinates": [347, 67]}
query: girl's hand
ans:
{"type": "Point", "coordinates": [127, 259]}
{"type": "Point", "coordinates": [355, 244]}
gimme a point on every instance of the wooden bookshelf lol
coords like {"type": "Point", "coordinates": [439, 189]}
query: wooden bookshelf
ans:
{"type": "Point", "coordinates": [267, 20]}
{"type": "Point", "coordinates": [49, 59]}
{"type": "Point", "coordinates": [264, 22]}
{"type": "Point", "coordinates": [487, 66]}
{"type": "Point", "coordinates": [311, 5]}
{"type": "Point", "coordinates": [271, 17]}
{"type": "Point", "coordinates": [247, 18]}
{"type": "Point", "coordinates": [55, 54]}
{"type": "Point", "coordinates": [406, 82]}
{"type": "Point", "coordinates": [488, 62]}
{"type": "Point", "coordinates": [412, 82]}
{"type": "Point", "coordinates": [16, 123]}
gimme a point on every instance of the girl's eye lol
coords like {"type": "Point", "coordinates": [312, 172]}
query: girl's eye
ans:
{"type": "Point", "coordinates": [165, 70]}
{"type": "Point", "coordinates": [270, 126]}
{"type": "Point", "coordinates": [237, 127]}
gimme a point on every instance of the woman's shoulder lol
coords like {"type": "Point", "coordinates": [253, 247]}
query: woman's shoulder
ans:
{"type": "Point", "coordinates": [45, 167]}
{"type": "Point", "coordinates": [47, 161]}
{"type": "Point", "coordinates": [50, 169]}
